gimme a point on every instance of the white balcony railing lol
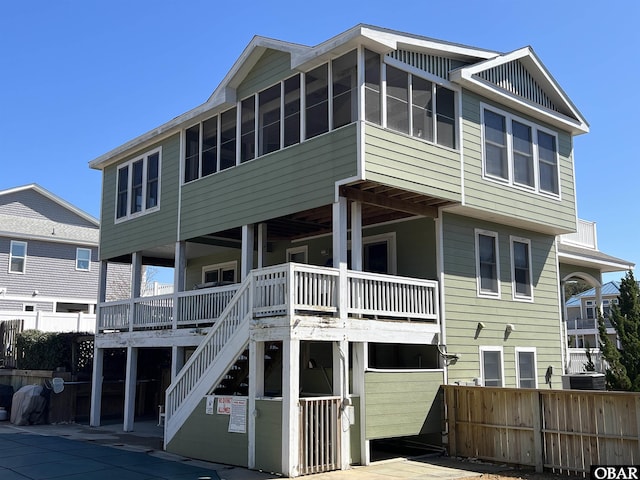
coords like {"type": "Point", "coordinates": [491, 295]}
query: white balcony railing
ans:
{"type": "Point", "coordinates": [586, 324]}
{"type": "Point", "coordinates": [585, 236]}
{"type": "Point", "coordinates": [280, 290]}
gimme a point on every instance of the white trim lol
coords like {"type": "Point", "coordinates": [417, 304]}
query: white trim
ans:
{"type": "Point", "coordinates": [510, 180]}
{"type": "Point", "coordinates": [24, 258]}
{"type": "Point", "coordinates": [390, 239]}
{"type": "Point", "coordinates": [232, 265]}
{"type": "Point", "coordinates": [479, 291]}
{"type": "Point", "coordinates": [144, 158]}
{"type": "Point", "coordinates": [514, 294]}
{"type": "Point", "coordinates": [481, 350]}
{"type": "Point", "coordinates": [88, 269]}
{"type": "Point", "coordinates": [519, 350]}
{"type": "Point", "coordinates": [301, 249]}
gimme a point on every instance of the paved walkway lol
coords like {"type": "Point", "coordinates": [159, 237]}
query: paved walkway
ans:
{"type": "Point", "coordinates": [74, 451]}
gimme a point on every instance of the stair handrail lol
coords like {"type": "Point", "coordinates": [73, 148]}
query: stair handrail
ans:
{"type": "Point", "coordinates": [226, 325]}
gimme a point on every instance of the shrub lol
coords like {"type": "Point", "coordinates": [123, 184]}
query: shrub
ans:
{"type": "Point", "coordinates": [38, 350]}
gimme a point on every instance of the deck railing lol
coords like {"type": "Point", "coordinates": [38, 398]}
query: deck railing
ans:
{"type": "Point", "coordinates": [280, 290]}
{"type": "Point", "coordinates": [319, 434]}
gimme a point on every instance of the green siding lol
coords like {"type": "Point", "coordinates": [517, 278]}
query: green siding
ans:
{"type": "Point", "coordinates": [492, 196]}
{"type": "Point", "coordinates": [405, 162]}
{"type": "Point", "coordinates": [401, 404]}
{"type": "Point", "coordinates": [150, 230]}
{"type": "Point", "coordinates": [566, 269]}
{"type": "Point", "coordinates": [284, 182]}
{"type": "Point", "coordinates": [272, 67]}
{"type": "Point", "coordinates": [206, 437]}
{"type": "Point", "coordinates": [269, 435]}
{"type": "Point", "coordinates": [537, 323]}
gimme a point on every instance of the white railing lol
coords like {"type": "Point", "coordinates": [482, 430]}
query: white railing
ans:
{"type": "Point", "coordinates": [578, 360]}
{"type": "Point", "coordinates": [585, 236]}
{"type": "Point", "coordinates": [206, 356]}
{"type": "Point", "coordinates": [157, 288]}
{"type": "Point", "coordinates": [319, 435]}
{"type": "Point", "coordinates": [53, 321]}
{"type": "Point", "coordinates": [387, 295]}
{"type": "Point", "coordinates": [280, 290]}
{"type": "Point", "coordinates": [586, 324]}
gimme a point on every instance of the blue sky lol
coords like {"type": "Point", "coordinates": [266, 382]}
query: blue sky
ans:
{"type": "Point", "coordinates": [79, 78]}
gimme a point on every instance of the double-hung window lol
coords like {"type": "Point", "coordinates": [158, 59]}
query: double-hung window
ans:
{"type": "Point", "coordinates": [138, 185]}
{"type": "Point", "coordinates": [83, 259]}
{"type": "Point", "coordinates": [18, 257]}
{"type": "Point", "coordinates": [521, 268]}
{"type": "Point", "coordinates": [526, 367]}
{"type": "Point", "coordinates": [487, 263]}
{"type": "Point", "coordinates": [519, 153]}
{"type": "Point", "coordinates": [491, 367]}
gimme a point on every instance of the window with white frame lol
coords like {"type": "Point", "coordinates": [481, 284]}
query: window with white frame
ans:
{"type": "Point", "coordinates": [419, 107]}
{"type": "Point", "coordinates": [519, 153]}
{"type": "Point", "coordinates": [138, 186]}
{"type": "Point", "coordinates": [590, 307]}
{"type": "Point", "coordinates": [83, 259]}
{"type": "Point", "coordinates": [526, 367]}
{"type": "Point", "coordinates": [18, 257]}
{"type": "Point", "coordinates": [487, 263]}
{"type": "Point", "coordinates": [521, 268]}
{"type": "Point", "coordinates": [491, 367]}
{"type": "Point", "coordinates": [221, 273]}
{"type": "Point", "coordinates": [297, 254]}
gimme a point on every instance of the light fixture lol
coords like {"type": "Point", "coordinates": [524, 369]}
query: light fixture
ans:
{"type": "Point", "coordinates": [35, 292]}
{"type": "Point", "coordinates": [510, 328]}
{"type": "Point", "coordinates": [480, 326]}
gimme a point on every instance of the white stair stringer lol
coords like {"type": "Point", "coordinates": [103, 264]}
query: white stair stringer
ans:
{"type": "Point", "coordinates": [215, 355]}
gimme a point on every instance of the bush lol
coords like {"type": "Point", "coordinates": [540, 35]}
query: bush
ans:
{"type": "Point", "coordinates": [38, 350]}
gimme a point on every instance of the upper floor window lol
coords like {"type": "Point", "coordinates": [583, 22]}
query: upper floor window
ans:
{"type": "Point", "coordinates": [519, 153]}
{"type": "Point", "coordinates": [18, 257]}
{"type": "Point", "coordinates": [138, 185]}
{"type": "Point", "coordinates": [521, 268]}
{"type": "Point", "coordinates": [487, 264]}
{"type": "Point", "coordinates": [83, 259]}
{"type": "Point", "coordinates": [372, 82]}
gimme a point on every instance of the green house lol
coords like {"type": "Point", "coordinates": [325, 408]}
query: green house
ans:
{"type": "Point", "coordinates": [350, 226]}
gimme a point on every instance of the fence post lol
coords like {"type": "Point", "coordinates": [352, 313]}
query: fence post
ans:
{"type": "Point", "coordinates": [450, 405]}
{"type": "Point", "coordinates": [536, 410]}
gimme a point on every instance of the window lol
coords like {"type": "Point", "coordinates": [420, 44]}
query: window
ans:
{"type": "Point", "coordinates": [487, 265]}
{"type": "Point", "coordinates": [590, 309]}
{"type": "Point", "coordinates": [28, 308]}
{"type": "Point", "coordinates": [515, 150]}
{"type": "Point", "coordinates": [269, 120]}
{"type": "Point", "coordinates": [521, 268]}
{"type": "Point", "coordinates": [491, 367]}
{"type": "Point", "coordinates": [228, 139]}
{"type": "Point", "coordinates": [526, 368]}
{"type": "Point", "coordinates": [412, 103]}
{"type": "Point", "coordinates": [83, 259]}
{"type": "Point", "coordinates": [248, 129]}
{"type": "Point", "coordinates": [18, 257]}
{"type": "Point", "coordinates": [220, 274]}
{"type": "Point", "coordinates": [138, 189]}
{"type": "Point", "coordinates": [317, 101]}
{"type": "Point", "coordinates": [210, 146]}
{"type": "Point", "coordinates": [292, 111]}
{"type": "Point", "coordinates": [372, 87]}
{"type": "Point", "coordinates": [345, 93]}
{"type": "Point", "coordinates": [297, 254]}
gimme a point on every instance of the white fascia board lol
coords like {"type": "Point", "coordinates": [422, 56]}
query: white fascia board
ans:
{"type": "Point", "coordinates": [54, 198]}
{"type": "Point", "coordinates": [40, 238]}
{"type": "Point", "coordinates": [465, 76]}
{"type": "Point", "coordinates": [602, 265]}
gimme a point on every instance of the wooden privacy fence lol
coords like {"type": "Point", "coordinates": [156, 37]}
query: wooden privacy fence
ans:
{"type": "Point", "coordinates": [566, 431]}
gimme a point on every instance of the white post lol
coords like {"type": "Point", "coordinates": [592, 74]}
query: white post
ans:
{"type": "Point", "coordinates": [341, 389]}
{"type": "Point", "coordinates": [177, 360]}
{"type": "Point", "coordinates": [256, 389]}
{"type": "Point", "coordinates": [247, 250]}
{"type": "Point", "coordinates": [340, 253]}
{"type": "Point", "coordinates": [360, 360]}
{"type": "Point", "coordinates": [356, 236]}
{"type": "Point", "coordinates": [96, 387]}
{"type": "Point", "coordinates": [290, 407]}
{"type": "Point", "coordinates": [180, 262]}
{"type": "Point", "coordinates": [130, 389]}
{"type": "Point", "coordinates": [262, 243]}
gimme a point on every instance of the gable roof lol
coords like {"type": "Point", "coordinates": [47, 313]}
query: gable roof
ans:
{"type": "Point", "coordinates": [383, 41]}
{"type": "Point", "coordinates": [609, 289]}
{"type": "Point", "coordinates": [86, 232]}
{"type": "Point", "coordinates": [521, 80]}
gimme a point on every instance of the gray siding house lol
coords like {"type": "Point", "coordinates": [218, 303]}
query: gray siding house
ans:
{"type": "Point", "coordinates": [48, 253]}
{"type": "Point", "coordinates": [351, 225]}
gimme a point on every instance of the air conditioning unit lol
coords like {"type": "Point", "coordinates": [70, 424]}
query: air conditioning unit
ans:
{"type": "Point", "coordinates": [584, 381]}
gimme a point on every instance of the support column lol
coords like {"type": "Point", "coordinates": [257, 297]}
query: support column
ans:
{"type": "Point", "coordinates": [256, 389]}
{"type": "Point", "coordinates": [360, 361]}
{"type": "Point", "coordinates": [136, 274]}
{"type": "Point", "coordinates": [179, 272]}
{"type": "Point", "coordinates": [247, 250]}
{"type": "Point", "coordinates": [599, 309]}
{"type": "Point", "coordinates": [290, 407]}
{"type": "Point", "coordinates": [96, 387]}
{"type": "Point", "coordinates": [130, 389]}
{"type": "Point", "coordinates": [177, 360]}
{"type": "Point", "coordinates": [341, 389]}
{"type": "Point", "coordinates": [340, 253]}
{"type": "Point", "coordinates": [356, 236]}
{"type": "Point", "coordinates": [262, 244]}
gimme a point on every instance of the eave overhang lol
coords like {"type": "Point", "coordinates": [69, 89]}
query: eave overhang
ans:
{"type": "Point", "coordinates": [589, 258]}
{"type": "Point", "coordinates": [469, 78]}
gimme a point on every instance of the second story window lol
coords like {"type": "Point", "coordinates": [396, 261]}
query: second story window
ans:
{"type": "Point", "coordinates": [18, 257]}
{"type": "Point", "coordinates": [83, 259]}
{"type": "Point", "coordinates": [519, 153]}
{"type": "Point", "coordinates": [138, 188]}
{"type": "Point", "coordinates": [317, 101]}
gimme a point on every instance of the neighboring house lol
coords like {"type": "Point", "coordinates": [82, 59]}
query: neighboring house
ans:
{"type": "Point", "coordinates": [48, 253]}
{"type": "Point", "coordinates": [351, 225]}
